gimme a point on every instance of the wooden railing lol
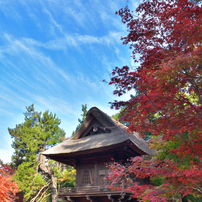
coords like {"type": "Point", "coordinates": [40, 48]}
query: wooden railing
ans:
{"type": "Point", "coordinates": [80, 189]}
{"type": "Point", "coordinates": [84, 189]}
{"type": "Point", "coordinates": [67, 189]}
{"type": "Point", "coordinates": [88, 188]}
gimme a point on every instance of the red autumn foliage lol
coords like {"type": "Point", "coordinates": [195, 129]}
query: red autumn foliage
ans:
{"type": "Point", "coordinates": [166, 39]}
{"type": "Point", "coordinates": [8, 187]}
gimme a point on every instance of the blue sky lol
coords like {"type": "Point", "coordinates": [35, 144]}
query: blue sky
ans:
{"type": "Point", "coordinates": [55, 54]}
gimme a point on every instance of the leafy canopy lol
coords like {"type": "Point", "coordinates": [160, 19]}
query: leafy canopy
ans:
{"type": "Point", "coordinates": [34, 175]}
{"type": "Point", "coordinates": [165, 39]}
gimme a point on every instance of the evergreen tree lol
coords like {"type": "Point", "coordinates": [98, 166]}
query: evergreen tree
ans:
{"type": "Point", "coordinates": [35, 175]}
{"type": "Point", "coordinates": [83, 117]}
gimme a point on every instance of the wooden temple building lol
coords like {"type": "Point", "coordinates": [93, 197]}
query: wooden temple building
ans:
{"type": "Point", "coordinates": [98, 140]}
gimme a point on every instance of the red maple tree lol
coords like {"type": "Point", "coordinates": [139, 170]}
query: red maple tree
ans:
{"type": "Point", "coordinates": [8, 187]}
{"type": "Point", "coordinates": [166, 39]}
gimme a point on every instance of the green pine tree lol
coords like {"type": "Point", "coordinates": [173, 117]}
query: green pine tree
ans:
{"type": "Point", "coordinates": [36, 176]}
{"type": "Point", "coordinates": [83, 117]}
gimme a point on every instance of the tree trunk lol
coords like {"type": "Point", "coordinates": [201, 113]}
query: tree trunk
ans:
{"type": "Point", "coordinates": [54, 188]}
{"type": "Point", "coordinates": [53, 184]}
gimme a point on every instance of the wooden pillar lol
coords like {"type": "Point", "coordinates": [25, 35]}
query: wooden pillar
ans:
{"type": "Point", "coordinates": [95, 173]}
{"type": "Point", "coordinates": [77, 167]}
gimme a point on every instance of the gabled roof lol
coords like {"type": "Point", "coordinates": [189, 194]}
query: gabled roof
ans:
{"type": "Point", "coordinates": [98, 132]}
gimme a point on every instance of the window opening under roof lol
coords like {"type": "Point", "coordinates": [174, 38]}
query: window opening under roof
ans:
{"type": "Point", "coordinates": [95, 128]}
{"type": "Point", "coordinates": [86, 177]}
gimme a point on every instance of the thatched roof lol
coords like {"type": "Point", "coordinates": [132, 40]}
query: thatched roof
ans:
{"type": "Point", "coordinates": [98, 132]}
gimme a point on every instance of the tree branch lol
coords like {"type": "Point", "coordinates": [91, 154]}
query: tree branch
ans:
{"type": "Point", "coordinates": [45, 197]}
{"type": "Point", "coordinates": [41, 197]}
{"type": "Point", "coordinates": [40, 191]}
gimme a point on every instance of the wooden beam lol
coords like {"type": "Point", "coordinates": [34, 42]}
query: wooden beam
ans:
{"type": "Point", "coordinates": [89, 199]}
{"type": "Point", "coordinates": [69, 199]}
{"type": "Point", "coordinates": [110, 197]}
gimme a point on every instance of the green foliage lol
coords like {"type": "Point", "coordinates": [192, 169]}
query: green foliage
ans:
{"type": "Point", "coordinates": [66, 175]}
{"type": "Point", "coordinates": [157, 181]}
{"type": "Point", "coordinates": [68, 178]}
{"type": "Point", "coordinates": [28, 179]}
{"type": "Point", "coordinates": [191, 198]}
{"type": "Point", "coordinates": [83, 117]}
{"type": "Point", "coordinates": [117, 116]}
{"type": "Point", "coordinates": [37, 133]}
{"type": "Point", "coordinates": [167, 150]}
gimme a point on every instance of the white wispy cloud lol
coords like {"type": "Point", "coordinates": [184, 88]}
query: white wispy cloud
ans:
{"type": "Point", "coordinates": [54, 104]}
{"type": "Point", "coordinates": [91, 84]}
{"type": "Point", "coordinates": [55, 54]}
{"type": "Point", "coordinates": [53, 21]}
{"type": "Point", "coordinates": [5, 112]}
{"type": "Point", "coordinates": [75, 41]}
{"type": "Point", "coordinates": [78, 16]}
{"type": "Point", "coordinates": [9, 10]}
{"type": "Point", "coordinates": [28, 47]}
{"type": "Point", "coordinates": [7, 94]}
